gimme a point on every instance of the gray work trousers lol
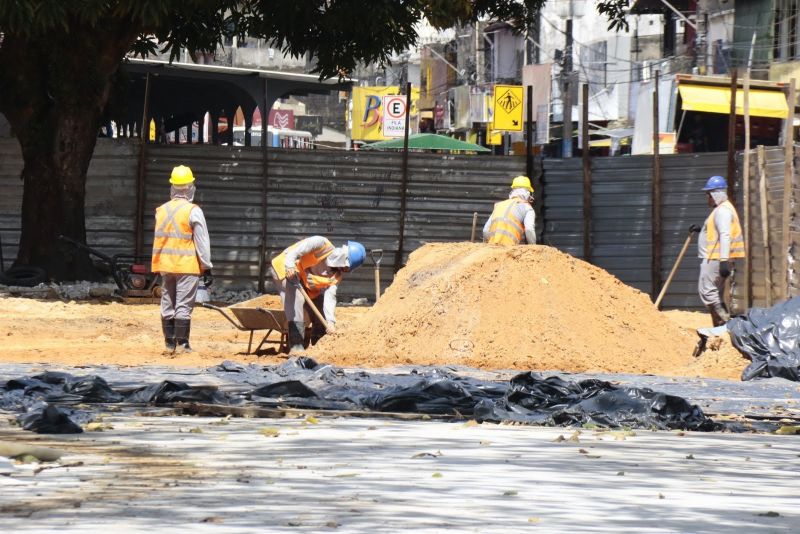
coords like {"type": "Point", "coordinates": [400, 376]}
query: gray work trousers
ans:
{"type": "Point", "coordinates": [710, 285]}
{"type": "Point", "coordinates": [294, 305]}
{"type": "Point", "coordinates": [178, 292]}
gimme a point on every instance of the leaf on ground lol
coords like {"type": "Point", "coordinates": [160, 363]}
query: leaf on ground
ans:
{"type": "Point", "coordinates": [559, 439]}
{"type": "Point", "coordinates": [660, 495]}
{"type": "Point", "coordinates": [690, 456]}
{"type": "Point", "coordinates": [471, 422]}
{"type": "Point", "coordinates": [533, 520]}
{"type": "Point", "coordinates": [212, 519]}
{"type": "Point", "coordinates": [312, 420]}
{"type": "Point", "coordinates": [788, 429]}
{"type": "Point", "coordinates": [574, 437]}
{"type": "Point", "coordinates": [620, 473]}
{"type": "Point", "coordinates": [426, 455]}
{"type": "Point", "coordinates": [196, 430]}
{"type": "Point", "coordinates": [769, 514]}
{"type": "Point", "coordinates": [98, 427]}
{"type": "Point", "coordinates": [332, 524]}
{"type": "Point", "coordinates": [485, 443]}
{"type": "Point", "coordinates": [510, 493]}
{"type": "Point", "coordinates": [26, 459]}
{"type": "Point", "coordinates": [583, 451]}
{"type": "Point", "coordinates": [437, 475]}
{"type": "Point", "coordinates": [590, 425]}
{"type": "Point", "coordinates": [270, 432]}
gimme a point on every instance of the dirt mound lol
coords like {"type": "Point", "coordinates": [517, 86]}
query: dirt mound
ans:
{"type": "Point", "coordinates": [523, 307]}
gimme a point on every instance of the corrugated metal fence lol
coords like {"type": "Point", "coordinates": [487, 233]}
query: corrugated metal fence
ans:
{"type": "Point", "coordinates": [621, 215]}
{"type": "Point", "coordinates": [341, 195]}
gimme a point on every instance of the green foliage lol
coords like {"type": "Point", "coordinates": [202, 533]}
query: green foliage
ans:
{"type": "Point", "coordinates": [339, 34]}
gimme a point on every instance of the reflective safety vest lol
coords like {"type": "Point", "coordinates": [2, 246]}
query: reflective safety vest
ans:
{"type": "Point", "coordinates": [712, 237]}
{"type": "Point", "coordinates": [173, 246]}
{"type": "Point", "coordinates": [316, 284]}
{"type": "Point", "coordinates": [304, 262]}
{"type": "Point", "coordinates": [505, 229]}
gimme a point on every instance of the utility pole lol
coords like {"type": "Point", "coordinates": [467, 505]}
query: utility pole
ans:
{"type": "Point", "coordinates": [566, 94]}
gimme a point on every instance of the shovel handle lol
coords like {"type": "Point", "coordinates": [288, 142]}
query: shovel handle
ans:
{"type": "Point", "coordinates": [675, 267]}
{"type": "Point", "coordinates": [313, 307]}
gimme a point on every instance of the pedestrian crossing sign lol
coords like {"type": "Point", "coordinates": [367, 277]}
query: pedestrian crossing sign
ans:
{"type": "Point", "coordinates": [508, 108]}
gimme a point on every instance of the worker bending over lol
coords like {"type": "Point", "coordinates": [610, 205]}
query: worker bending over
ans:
{"type": "Point", "coordinates": [181, 253]}
{"type": "Point", "coordinates": [316, 264]}
{"type": "Point", "coordinates": [720, 242]}
{"type": "Point", "coordinates": [513, 221]}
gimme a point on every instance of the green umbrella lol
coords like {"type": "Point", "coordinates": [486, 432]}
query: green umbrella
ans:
{"type": "Point", "coordinates": [427, 141]}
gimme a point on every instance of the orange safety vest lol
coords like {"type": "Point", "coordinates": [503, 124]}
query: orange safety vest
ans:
{"type": "Point", "coordinates": [712, 237]}
{"type": "Point", "coordinates": [173, 244]}
{"type": "Point", "coordinates": [304, 262]}
{"type": "Point", "coordinates": [316, 284]}
{"type": "Point", "coordinates": [504, 228]}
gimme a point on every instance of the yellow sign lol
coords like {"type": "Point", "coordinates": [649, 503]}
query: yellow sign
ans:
{"type": "Point", "coordinates": [493, 137]}
{"type": "Point", "coordinates": [508, 108]}
{"type": "Point", "coordinates": [366, 116]}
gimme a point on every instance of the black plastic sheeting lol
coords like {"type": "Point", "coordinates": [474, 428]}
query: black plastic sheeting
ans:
{"type": "Point", "coordinates": [769, 338]}
{"type": "Point", "coordinates": [60, 402]}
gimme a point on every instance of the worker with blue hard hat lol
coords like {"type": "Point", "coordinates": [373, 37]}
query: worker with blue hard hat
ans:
{"type": "Point", "coordinates": [318, 266]}
{"type": "Point", "coordinates": [720, 242]}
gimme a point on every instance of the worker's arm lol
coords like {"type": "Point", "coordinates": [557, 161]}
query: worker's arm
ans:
{"type": "Point", "coordinates": [305, 246]}
{"type": "Point", "coordinates": [202, 243]}
{"type": "Point", "coordinates": [486, 229]}
{"type": "Point", "coordinates": [723, 220]}
{"type": "Point", "coordinates": [329, 305]}
{"type": "Point", "coordinates": [530, 226]}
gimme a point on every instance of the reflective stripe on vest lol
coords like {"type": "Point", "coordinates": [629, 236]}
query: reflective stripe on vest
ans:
{"type": "Point", "coordinates": [504, 228]}
{"type": "Point", "coordinates": [304, 262]}
{"type": "Point", "coordinates": [712, 237]}
{"type": "Point", "coordinates": [173, 246]}
{"type": "Point", "coordinates": [316, 283]}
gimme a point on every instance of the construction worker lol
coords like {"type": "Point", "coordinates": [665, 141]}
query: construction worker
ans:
{"type": "Point", "coordinates": [316, 264]}
{"type": "Point", "coordinates": [720, 242]}
{"type": "Point", "coordinates": [513, 221]}
{"type": "Point", "coordinates": [181, 253]}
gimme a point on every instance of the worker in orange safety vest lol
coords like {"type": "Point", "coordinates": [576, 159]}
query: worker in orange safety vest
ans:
{"type": "Point", "coordinates": [513, 221]}
{"type": "Point", "coordinates": [720, 242]}
{"type": "Point", "coordinates": [181, 254]}
{"type": "Point", "coordinates": [318, 265]}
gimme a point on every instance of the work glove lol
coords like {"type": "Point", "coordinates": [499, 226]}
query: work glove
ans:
{"type": "Point", "coordinates": [694, 229]}
{"type": "Point", "coordinates": [291, 275]}
{"type": "Point", "coordinates": [208, 278]}
{"type": "Point", "coordinates": [724, 269]}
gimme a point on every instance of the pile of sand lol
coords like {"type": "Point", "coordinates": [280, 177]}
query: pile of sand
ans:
{"type": "Point", "coordinates": [523, 307]}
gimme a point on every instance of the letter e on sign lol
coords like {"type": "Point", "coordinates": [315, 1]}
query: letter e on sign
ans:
{"type": "Point", "coordinates": [394, 115]}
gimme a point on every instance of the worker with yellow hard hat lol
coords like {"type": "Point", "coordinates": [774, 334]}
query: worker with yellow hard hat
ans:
{"type": "Point", "coordinates": [181, 254]}
{"type": "Point", "coordinates": [513, 221]}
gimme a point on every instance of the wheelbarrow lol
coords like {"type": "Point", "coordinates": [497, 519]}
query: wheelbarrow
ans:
{"type": "Point", "coordinates": [251, 320]}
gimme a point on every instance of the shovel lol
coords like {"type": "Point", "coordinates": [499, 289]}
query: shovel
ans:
{"type": "Point", "coordinates": [693, 229]}
{"type": "Point", "coordinates": [377, 255]}
{"type": "Point", "coordinates": [313, 307]}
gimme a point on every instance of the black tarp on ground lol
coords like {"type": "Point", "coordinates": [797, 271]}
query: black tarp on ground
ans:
{"type": "Point", "coordinates": [769, 337]}
{"type": "Point", "coordinates": [302, 383]}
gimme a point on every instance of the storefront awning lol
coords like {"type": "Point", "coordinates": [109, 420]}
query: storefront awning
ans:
{"type": "Point", "coordinates": [717, 99]}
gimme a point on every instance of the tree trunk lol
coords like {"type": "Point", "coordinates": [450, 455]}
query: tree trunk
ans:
{"type": "Point", "coordinates": [55, 90]}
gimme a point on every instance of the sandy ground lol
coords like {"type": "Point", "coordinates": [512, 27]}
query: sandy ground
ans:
{"type": "Point", "coordinates": [96, 333]}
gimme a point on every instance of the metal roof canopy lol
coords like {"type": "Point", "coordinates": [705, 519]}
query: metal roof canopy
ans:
{"type": "Point", "coordinates": [657, 7]}
{"type": "Point", "coordinates": [188, 90]}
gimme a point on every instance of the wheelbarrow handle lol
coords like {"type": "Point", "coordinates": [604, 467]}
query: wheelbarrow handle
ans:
{"type": "Point", "coordinates": [224, 314]}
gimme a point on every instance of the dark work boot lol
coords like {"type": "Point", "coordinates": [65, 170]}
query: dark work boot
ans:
{"type": "Point", "coordinates": [317, 332]}
{"type": "Point", "coordinates": [168, 327]}
{"type": "Point", "coordinates": [182, 329]}
{"type": "Point", "coordinates": [296, 334]}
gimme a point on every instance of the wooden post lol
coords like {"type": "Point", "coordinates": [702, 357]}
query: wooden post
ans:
{"type": "Point", "coordinates": [587, 178]}
{"type": "Point", "coordinates": [141, 192]}
{"type": "Point", "coordinates": [474, 226]}
{"type": "Point", "coordinates": [788, 174]}
{"type": "Point", "coordinates": [529, 135]}
{"type": "Point", "coordinates": [762, 193]}
{"type": "Point", "coordinates": [262, 249]}
{"type": "Point", "coordinates": [398, 259]}
{"type": "Point", "coordinates": [655, 266]}
{"type": "Point", "coordinates": [731, 176]}
{"type": "Point", "coordinates": [746, 191]}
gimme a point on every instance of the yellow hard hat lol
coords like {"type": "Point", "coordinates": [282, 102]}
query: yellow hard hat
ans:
{"type": "Point", "coordinates": [181, 175]}
{"type": "Point", "coordinates": [523, 182]}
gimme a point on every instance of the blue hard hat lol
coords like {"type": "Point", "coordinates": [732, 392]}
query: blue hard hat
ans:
{"type": "Point", "coordinates": [715, 182]}
{"type": "Point", "coordinates": [355, 254]}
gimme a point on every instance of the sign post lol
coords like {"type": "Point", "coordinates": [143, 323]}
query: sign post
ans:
{"type": "Point", "coordinates": [395, 109]}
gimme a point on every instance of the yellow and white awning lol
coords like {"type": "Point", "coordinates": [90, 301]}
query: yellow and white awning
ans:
{"type": "Point", "coordinates": [717, 99]}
